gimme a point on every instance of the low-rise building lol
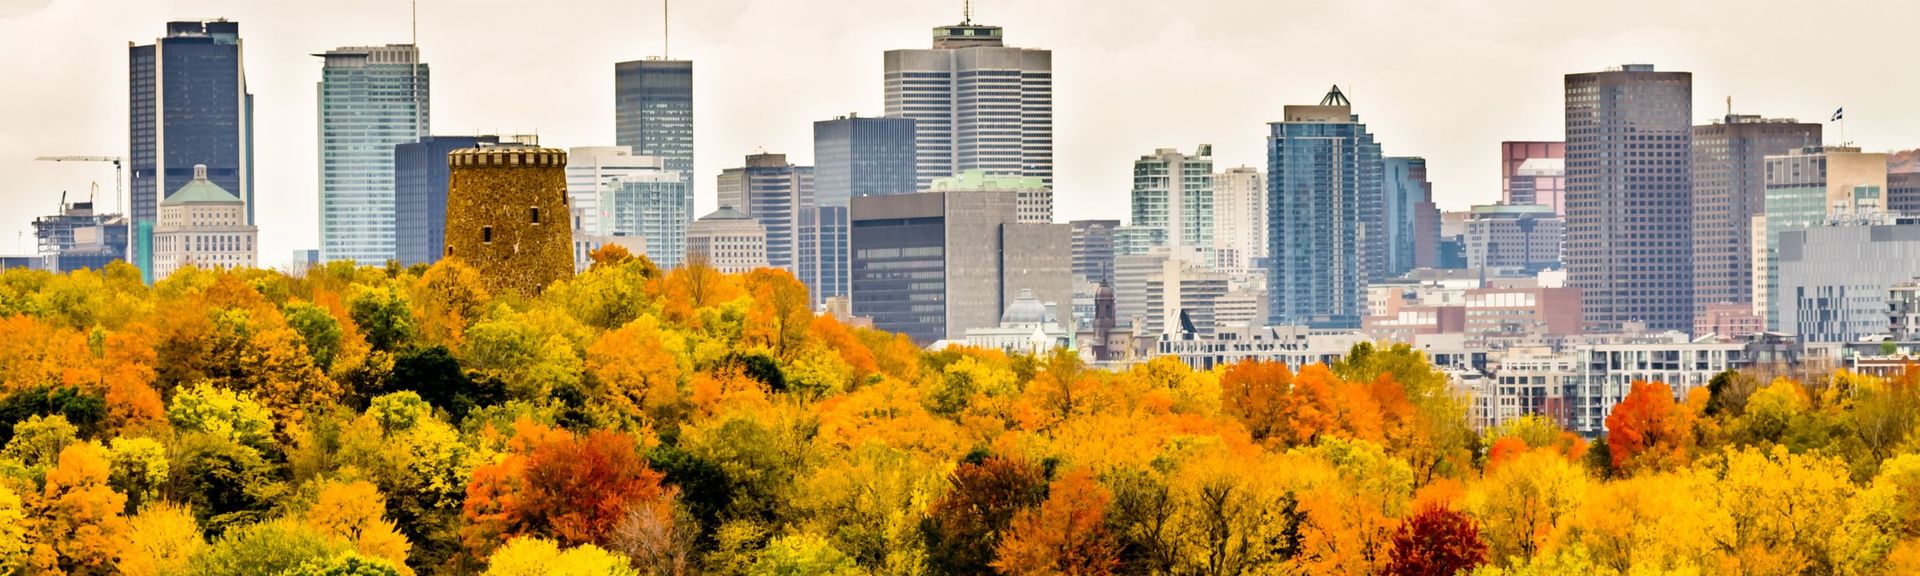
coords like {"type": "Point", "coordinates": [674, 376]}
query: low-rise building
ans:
{"type": "Point", "coordinates": [728, 240]}
{"type": "Point", "coordinates": [202, 225]}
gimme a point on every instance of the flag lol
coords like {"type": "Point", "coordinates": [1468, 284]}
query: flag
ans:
{"type": "Point", "coordinates": [1838, 113]}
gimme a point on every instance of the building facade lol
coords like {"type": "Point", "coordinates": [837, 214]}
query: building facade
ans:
{"type": "Point", "coordinates": [1324, 191]}
{"type": "Point", "coordinates": [372, 98]}
{"type": "Point", "coordinates": [1173, 192]}
{"type": "Point", "coordinates": [1240, 220]}
{"type": "Point", "coordinates": [1810, 187]}
{"type": "Point", "coordinates": [654, 206]}
{"type": "Point", "coordinates": [1525, 238]}
{"type": "Point", "coordinates": [1729, 190]}
{"type": "Point", "coordinates": [856, 157]}
{"type": "Point", "coordinates": [777, 194]}
{"type": "Point", "coordinates": [1534, 173]}
{"type": "Point", "coordinates": [188, 105]}
{"type": "Point", "coordinates": [653, 113]}
{"type": "Point", "coordinates": [1034, 198]}
{"type": "Point", "coordinates": [1181, 296]}
{"type": "Point", "coordinates": [420, 176]}
{"type": "Point", "coordinates": [1093, 250]}
{"type": "Point", "coordinates": [1629, 216]}
{"type": "Point", "coordinates": [507, 216]}
{"type": "Point", "coordinates": [1903, 192]}
{"type": "Point", "coordinates": [1407, 193]}
{"type": "Point", "coordinates": [728, 240]}
{"type": "Point", "coordinates": [1834, 279]}
{"type": "Point", "coordinates": [976, 103]}
{"type": "Point", "coordinates": [590, 172]}
{"type": "Point", "coordinates": [204, 226]}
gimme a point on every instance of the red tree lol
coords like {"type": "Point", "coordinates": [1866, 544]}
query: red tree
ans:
{"type": "Point", "coordinates": [1436, 540]}
{"type": "Point", "coordinates": [1066, 535]}
{"type": "Point", "coordinates": [1648, 430]}
{"type": "Point", "coordinates": [965, 524]}
{"type": "Point", "coordinates": [572, 489]}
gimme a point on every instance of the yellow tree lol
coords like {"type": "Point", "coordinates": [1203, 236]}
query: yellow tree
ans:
{"type": "Point", "coordinates": [81, 529]}
{"type": "Point", "coordinates": [1352, 514]}
{"type": "Point", "coordinates": [780, 314]}
{"type": "Point", "coordinates": [1648, 521]}
{"type": "Point", "coordinates": [639, 367]}
{"type": "Point", "coordinates": [160, 539]}
{"type": "Point", "coordinates": [1771, 512]}
{"type": "Point", "coordinates": [353, 511]}
{"type": "Point", "coordinates": [1521, 503]}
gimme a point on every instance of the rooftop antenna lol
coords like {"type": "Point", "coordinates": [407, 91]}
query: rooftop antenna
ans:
{"type": "Point", "coordinates": [966, 14]}
{"type": "Point", "coordinates": [413, 73]}
{"type": "Point", "coordinates": [666, 30]}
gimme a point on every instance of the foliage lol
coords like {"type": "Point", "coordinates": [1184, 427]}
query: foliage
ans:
{"type": "Point", "coordinates": [1436, 540]}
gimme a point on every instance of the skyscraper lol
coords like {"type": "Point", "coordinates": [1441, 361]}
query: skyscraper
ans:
{"type": "Point", "coordinates": [591, 169]}
{"type": "Point", "coordinates": [188, 105]}
{"type": "Point", "coordinates": [1729, 190]}
{"type": "Point", "coordinates": [420, 196]}
{"type": "Point", "coordinates": [1324, 196]}
{"type": "Point", "coordinates": [1174, 192]}
{"type": "Point", "coordinates": [653, 112]}
{"type": "Point", "coordinates": [777, 194]}
{"type": "Point", "coordinates": [857, 157]}
{"type": "Point", "coordinates": [1406, 189]}
{"type": "Point", "coordinates": [1093, 250]}
{"type": "Point", "coordinates": [1240, 219]}
{"type": "Point", "coordinates": [1809, 187]}
{"type": "Point", "coordinates": [1034, 198]}
{"type": "Point", "coordinates": [1533, 172]}
{"type": "Point", "coordinates": [1629, 200]}
{"type": "Point", "coordinates": [372, 98]}
{"type": "Point", "coordinates": [976, 103]}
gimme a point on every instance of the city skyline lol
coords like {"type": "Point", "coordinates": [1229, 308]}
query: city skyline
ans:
{"type": "Point", "coordinates": [80, 108]}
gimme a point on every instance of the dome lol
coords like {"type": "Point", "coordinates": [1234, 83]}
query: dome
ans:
{"type": "Point", "coordinates": [1026, 310]}
{"type": "Point", "coordinates": [200, 190]}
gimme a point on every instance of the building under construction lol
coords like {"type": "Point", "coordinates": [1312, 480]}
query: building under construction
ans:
{"type": "Point", "coordinates": [78, 238]}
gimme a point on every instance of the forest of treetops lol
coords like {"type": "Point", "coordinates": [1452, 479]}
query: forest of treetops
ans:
{"type": "Point", "coordinates": [629, 420]}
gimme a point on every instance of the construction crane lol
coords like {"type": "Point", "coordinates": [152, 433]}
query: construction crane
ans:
{"type": "Point", "coordinates": [119, 171]}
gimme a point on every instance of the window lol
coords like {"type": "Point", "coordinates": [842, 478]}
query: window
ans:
{"type": "Point", "coordinates": [486, 234]}
{"type": "Point", "coordinates": [535, 215]}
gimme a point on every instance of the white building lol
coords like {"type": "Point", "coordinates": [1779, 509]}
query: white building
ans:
{"type": "Point", "coordinates": [1181, 288]}
{"type": "Point", "coordinates": [728, 240]}
{"type": "Point", "coordinates": [1240, 219]}
{"type": "Point", "coordinates": [205, 226]}
{"type": "Point", "coordinates": [590, 169]}
{"type": "Point", "coordinates": [1173, 192]}
{"type": "Point", "coordinates": [976, 104]}
{"type": "Point", "coordinates": [1028, 326]}
{"type": "Point", "coordinates": [372, 98]}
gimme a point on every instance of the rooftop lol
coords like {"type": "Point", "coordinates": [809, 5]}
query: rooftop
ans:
{"type": "Point", "coordinates": [201, 191]}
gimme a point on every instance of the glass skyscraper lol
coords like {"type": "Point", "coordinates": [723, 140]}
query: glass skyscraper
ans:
{"type": "Point", "coordinates": [1324, 196]}
{"type": "Point", "coordinates": [976, 104]}
{"type": "Point", "coordinates": [1173, 192]}
{"type": "Point", "coordinates": [1405, 185]}
{"type": "Point", "coordinates": [372, 98]}
{"type": "Point", "coordinates": [187, 104]}
{"type": "Point", "coordinates": [777, 194]}
{"type": "Point", "coordinates": [653, 113]}
{"type": "Point", "coordinates": [655, 206]}
{"type": "Point", "coordinates": [420, 176]}
{"type": "Point", "coordinates": [856, 157]}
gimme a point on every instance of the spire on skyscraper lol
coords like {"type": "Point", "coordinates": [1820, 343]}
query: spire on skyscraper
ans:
{"type": "Point", "coordinates": [1335, 98]}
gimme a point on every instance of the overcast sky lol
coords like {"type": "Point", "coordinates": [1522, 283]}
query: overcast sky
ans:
{"type": "Point", "coordinates": [1447, 80]}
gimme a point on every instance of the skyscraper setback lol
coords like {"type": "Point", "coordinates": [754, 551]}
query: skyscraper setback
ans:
{"type": "Point", "coordinates": [188, 105]}
{"type": "Point", "coordinates": [975, 102]}
{"type": "Point", "coordinates": [653, 113]}
{"type": "Point", "coordinates": [1629, 201]}
{"type": "Point", "coordinates": [372, 98]}
{"type": "Point", "coordinates": [1324, 195]}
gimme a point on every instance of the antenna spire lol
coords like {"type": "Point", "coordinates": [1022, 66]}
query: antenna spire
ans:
{"type": "Point", "coordinates": [966, 15]}
{"type": "Point", "coordinates": [666, 31]}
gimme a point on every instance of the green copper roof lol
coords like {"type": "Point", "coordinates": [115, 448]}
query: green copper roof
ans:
{"type": "Point", "coordinates": [200, 191]}
{"type": "Point", "coordinates": [980, 180]}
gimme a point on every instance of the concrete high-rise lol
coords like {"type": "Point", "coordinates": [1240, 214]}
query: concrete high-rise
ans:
{"type": "Point", "coordinates": [776, 193]}
{"type": "Point", "coordinates": [934, 264]}
{"type": "Point", "coordinates": [1173, 192]}
{"type": "Point", "coordinates": [188, 105]}
{"type": "Point", "coordinates": [1239, 220]}
{"type": "Point", "coordinates": [1629, 202]}
{"type": "Point", "coordinates": [856, 157]}
{"type": "Point", "coordinates": [653, 112]}
{"type": "Point", "coordinates": [1729, 190]}
{"type": "Point", "coordinates": [975, 102]}
{"type": "Point", "coordinates": [1093, 250]}
{"type": "Point", "coordinates": [372, 98]}
{"type": "Point", "coordinates": [1324, 174]}
{"type": "Point", "coordinates": [1523, 238]}
{"type": "Point", "coordinates": [1533, 172]}
{"type": "Point", "coordinates": [420, 176]}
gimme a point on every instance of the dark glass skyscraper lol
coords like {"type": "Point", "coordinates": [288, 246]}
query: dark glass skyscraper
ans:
{"type": "Point", "coordinates": [653, 111]}
{"type": "Point", "coordinates": [420, 196]}
{"type": "Point", "coordinates": [856, 157]}
{"type": "Point", "coordinates": [188, 104]}
{"type": "Point", "coordinates": [1629, 196]}
{"type": "Point", "coordinates": [1325, 194]}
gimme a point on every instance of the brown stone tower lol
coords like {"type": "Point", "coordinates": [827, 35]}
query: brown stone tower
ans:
{"type": "Point", "coordinates": [507, 216]}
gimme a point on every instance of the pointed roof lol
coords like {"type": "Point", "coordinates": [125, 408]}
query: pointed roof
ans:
{"type": "Point", "coordinates": [200, 191]}
{"type": "Point", "coordinates": [725, 213]}
{"type": "Point", "coordinates": [1335, 98]}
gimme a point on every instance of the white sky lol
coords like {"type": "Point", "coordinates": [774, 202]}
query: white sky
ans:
{"type": "Point", "coordinates": [1444, 79]}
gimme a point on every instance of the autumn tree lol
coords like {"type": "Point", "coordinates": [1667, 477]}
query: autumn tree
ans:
{"type": "Point", "coordinates": [1065, 535]}
{"type": "Point", "coordinates": [81, 527]}
{"type": "Point", "coordinates": [531, 556]}
{"type": "Point", "coordinates": [354, 512]}
{"type": "Point", "coordinates": [780, 314]}
{"type": "Point", "coordinates": [639, 367]}
{"type": "Point", "coordinates": [1521, 503]}
{"type": "Point", "coordinates": [573, 489]}
{"type": "Point", "coordinates": [1255, 393]}
{"type": "Point", "coordinates": [1648, 430]}
{"type": "Point", "coordinates": [160, 540]}
{"type": "Point", "coordinates": [964, 526]}
{"type": "Point", "coordinates": [1436, 540]}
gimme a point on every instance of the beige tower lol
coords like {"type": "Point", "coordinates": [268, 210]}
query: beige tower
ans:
{"type": "Point", "coordinates": [507, 216]}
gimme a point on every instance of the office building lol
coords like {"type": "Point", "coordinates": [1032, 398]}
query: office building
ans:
{"type": "Point", "coordinates": [1132, 278]}
{"type": "Point", "coordinates": [1809, 187]}
{"type": "Point", "coordinates": [1533, 173]}
{"type": "Point", "coordinates": [775, 193]}
{"type": "Point", "coordinates": [1903, 192]}
{"type": "Point", "coordinates": [1173, 192]}
{"type": "Point", "coordinates": [728, 240]}
{"type": "Point", "coordinates": [1834, 279]}
{"type": "Point", "coordinates": [591, 170]}
{"type": "Point", "coordinates": [653, 113]}
{"type": "Point", "coordinates": [420, 196]}
{"type": "Point", "coordinates": [652, 206]}
{"type": "Point", "coordinates": [825, 253]}
{"type": "Point", "coordinates": [1182, 292]}
{"type": "Point", "coordinates": [855, 157]}
{"type": "Point", "coordinates": [1729, 190]}
{"type": "Point", "coordinates": [976, 103]}
{"type": "Point", "coordinates": [1523, 239]}
{"type": "Point", "coordinates": [1407, 195]}
{"type": "Point", "coordinates": [1324, 192]}
{"type": "Point", "coordinates": [56, 233]}
{"type": "Point", "coordinates": [934, 265]}
{"type": "Point", "coordinates": [203, 226]}
{"type": "Point", "coordinates": [1093, 250]}
{"type": "Point", "coordinates": [1240, 220]}
{"type": "Point", "coordinates": [188, 105]}
{"type": "Point", "coordinates": [507, 216]}
{"type": "Point", "coordinates": [372, 98]}
{"type": "Point", "coordinates": [1035, 199]}
{"type": "Point", "coordinates": [1629, 216]}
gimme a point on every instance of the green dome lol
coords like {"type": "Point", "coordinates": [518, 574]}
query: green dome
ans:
{"type": "Point", "coordinates": [201, 191]}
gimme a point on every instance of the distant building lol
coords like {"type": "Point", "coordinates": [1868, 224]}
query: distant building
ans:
{"type": "Point", "coordinates": [591, 170]}
{"type": "Point", "coordinates": [1407, 194]}
{"type": "Point", "coordinates": [1810, 187]}
{"type": "Point", "coordinates": [655, 206]}
{"type": "Point", "coordinates": [507, 216]}
{"type": "Point", "coordinates": [372, 98]}
{"type": "Point", "coordinates": [728, 240]}
{"type": "Point", "coordinates": [1035, 199]}
{"type": "Point", "coordinates": [1295, 346]}
{"type": "Point", "coordinates": [976, 104]}
{"type": "Point", "coordinates": [58, 234]}
{"type": "Point", "coordinates": [653, 113]}
{"type": "Point", "coordinates": [1182, 291]}
{"type": "Point", "coordinates": [776, 193]}
{"type": "Point", "coordinates": [1324, 189]}
{"type": "Point", "coordinates": [1093, 250]}
{"type": "Point", "coordinates": [1629, 137]}
{"type": "Point", "coordinates": [1132, 279]}
{"type": "Point", "coordinates": [934, 265]}
{"type": "Point", "coordinates": [420, 195]}
{"type": "Point", "coordinates": [1028, 326]}
{"type": "Point", "coordinates": [1903, 311]}
{"type": "Point", "coordinates": [1240, 220]}
{"type": "Point", "coordinates": [1452, 252]}
{"type": "Point", "coordinates": [1173, 192]}
{"type": "Point", "coordinates": [825, 253]}
{"type": "Point", "coordinates": [1903, 192]}
{"type": "Point", "coordinates": [1729, 191]}
{"type": "Point", "coordinates": [1534, 173]}
{"type": "Point", "coordinates": [204, 226]}
{"type": "Point", "coordinates": [189, 106]}
{"type": "Point", "coordinates": [1729, 321]}
{"type": "Point", "coordinates": [855, 157]}
{"type": "Point", "coordinates": [1835, 279]}
{"type": "Point", "coordinates": [1523, 238]}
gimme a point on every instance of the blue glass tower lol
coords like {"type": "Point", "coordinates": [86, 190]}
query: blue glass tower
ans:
{"type": "Point", "coordinates": [372, 98]}
{"type": "Point", "coordinates": [1405, 187]}
{"type": "Point", "coordinates": [1324, 189]}
{"type": "Point", "coordinates": [856, 157]}
{"type": "Point", "coordinates": [188, 104]}
{"type": "Point", "coordinates": [420, 196]}
{"type": "Point", "coordinates": [653, 113]}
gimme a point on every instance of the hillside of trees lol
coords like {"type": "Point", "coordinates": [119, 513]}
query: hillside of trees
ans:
{"type": "Point", "coordinates": [630, 420]}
